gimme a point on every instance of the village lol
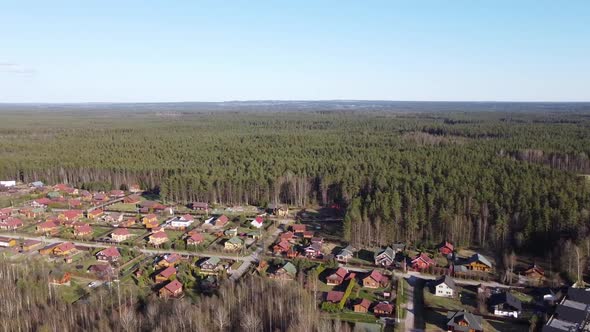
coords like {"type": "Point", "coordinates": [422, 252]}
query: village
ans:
{"type": "Point", "coordinates": [129, 237]}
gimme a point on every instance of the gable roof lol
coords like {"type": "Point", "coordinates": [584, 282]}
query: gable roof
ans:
{"type": "Point", "coordinates": [235, 240]}
{"type": "Point", "coordinates": [109, 252]}
{"type": "Point", "coordinates": [579, 294]}
{"type": "Point", "coordinates": [447, 281]}
{"type": "Point", "coordinates": [479, 258]}
{"type": "Point", "coordinates": [572, 311]}
{"type": "Point", "coordinates": [375, 275]}
{"type": "Point", "coordinates": [290, 269]}
{"type": "Point", "coordinates": [505, 298]}
{"type": "Point", "coordinates": [364, 303]}
{"type": "Point", "coordinates": [383, 306]}
{"type": "Point", "coordinates": [334, 296]}
{"type": "Point", "coordinates": [388, 252]}
{"type": "Point", "coordinates": [212, 261]}
{"type": "Point", "coordinates": [423, 257]}
{"type": "Point", "coordinates": [65, 246]}
{"type": "Point", "coordinates": [121, 231]}
{"type": "Point", "coordinates": [168, 272]}
{"type": "Point", "coordinates": [173, 286]}
{"type": "Point", "coordinates": [473, 321]}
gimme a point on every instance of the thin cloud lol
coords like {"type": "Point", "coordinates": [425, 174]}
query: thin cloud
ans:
{"type": "Point", "coordinates": [15, 68]}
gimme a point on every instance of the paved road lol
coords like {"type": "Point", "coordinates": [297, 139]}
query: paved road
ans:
{"type": "Point", "coordinates": [410, 319]}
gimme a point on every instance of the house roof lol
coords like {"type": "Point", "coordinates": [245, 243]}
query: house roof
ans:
{"type": "Point", "coordinates": [446, 244]}
{"type": "Point", "coordinates": [290, 269]}
{"type": "Point", "coordinates": [341, 272]}
{"type": "Point", "coordinates": [284, 245]}
{"type": "Point", "coordinates": [200, 205]}
{"type": "Point", "coordinates": [479, 258]}
{"type": "Point", "coordinates": [423, 257]}
{"type": "Point", "coordinates": [72, 213]}
{"type": "Point", "coordinates": [167, 272]}
{"type": "Point", "coordinates": [364, 303]}
{"type": "Point", "coordinates": [121, 231]}
{"type": "Point", "coordinates": [334, 296]}
{"type": "Point", "coordinates": [151, 216]}
{"type": "Point", "coordinates": [383, 306]}
{"type": "Point", "coordinates": [212, 261]}
{"type": "Point", "coordinates": [473, 321]}
{"type": "Point", "coordinates": [109, 252]}
{"type": "Point", "coordinates": [235, 240]}
{"type": "Point", "coordinates": [83, 228]}
{"type": "Point", "coordinates": [579, 294]}
{"type": "Point", "coordinates": [197, 237]}
{"type": "Point", "coordinates": [159, 235]}
{"type": "Point", "coordinates": [188, 217]}
{"type": "Point", "coordinates": [47, 224]}
{"type": "Point", "coordinates": [65, 246]}
{"type": "Point", "coordinates": [347, 251]}
{"type": "Point", "coordinates": [375, 275]}
{"type": "Point", "coordinates": [96, 212]}
{"type": "Point", "coordinates": [505, 298]}
{"type": "Point", "coordinates": [298, 227]}
{"type": "Point", "coordinates": [446, 280]}
{"type": "Point", "coordinates": [222, 219]}
{"type": "Point", "coordinates": [173, 286]}
{"type": "Point", "coordinates": [172, 258]}
{"type": "Point", "coordinates": [572, 311]}
{"type": "Point", "coordinates": [386, 252]}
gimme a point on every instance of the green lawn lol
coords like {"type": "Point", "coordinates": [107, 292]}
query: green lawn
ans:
{"type": "Point", "coordinates": [351, 316]}
{"type": "Point", "coordinates": [122, 207]}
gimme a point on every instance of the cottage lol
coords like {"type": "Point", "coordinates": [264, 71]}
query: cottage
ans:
{"type": "Point", "coordinates": [132, 199]}
{"type": "Point", "coordinates": [58, 277]}
{"type": "Point", "coordinates": [235, 243]}
{"type": "Point", "coordinates": [158, 238]}
{"type": "Point", "coordinates": [172, 289]}
{"type": "Point", "coordinates": [11, 224]}
{"type": "Point", "coordinates": [444, 286]}
{"type": "Point", "coordinates": [85, 195]}
{"type": "Point", "coordinates": [278, 210]}
{"type": "Point", "coordinates": [422, 261]}
{"type": "Point", "coordinates": [231, 232]}
{"type": "Point", "coordinates": [292, 253]}
{"type": "Point", "coordinates": [374, 280]}
{"type": "Point", "coordinates": [313, 251]}
{"type": "Point", "coordinates": [165, 274]}
{"type": "Point", "coordinates": [218, 222]}
{"type": "Point", "coordinates": [74, 203]}
{"type": "Point", "coordinates": [337, 277]}
{"type": "Point", "coordinates": [256, 234]}
{"type": "Point", "coordinates": [383, 309]}
{"type": "Point", "coordinates": [298, 229]}
{"type": "Point", "coordinates": [334, 296]}
{"type": "Point", "coordinates": [48, 227]}
{"type": "Point", "coordinates": [211, 265]}
{"type": "Point", "coordinates": [195, 239]}
{"type": "Point", "coordinates": [7, 242]}
{"type": "Point", "coordinates": [48, 250]}
{"type": "Point", "coordinates": [281, 247]}
{"type": "Point", "coordinates": [94, 214]}
{"type": "Point", "coordinates": [478, 262]}
{"type": "Point", "coordinates": [150, 219]}
{"type": "Point", "coordinates": [83, 230]}
{"type": "Point", "coordinates": [200, 206]}
{"type": "Point", "coordinates": [135, 188]}
{"type": "Point", "coordinates": [71, 215]}
{"type": "Point", "coordinates": [120, 235]}
{"type": "Point", "coordinates": [53, 195]}
{"type": "Point", "coordinates": [463, 321]}
{"type": "Point", "coordinates": [362, 306]}
{"type": "Point", "coordinates": [385, 257]}
{"type": "Point", "coordinates": [287, 236]}
{"type": "Point", "coordinates": [535, 273]}
{"type": "Point", "coordinates": [257, 222]}
{"type": "Point", "coordinates": [64, 248]}
{"type": "Point", "coordinates": [41, 202]}
{"type": "Point", "coordinates": [116, 193]}
{"type": "Point", "coordinates": [286, 272]}
{"type": "Point", "coordinates": [110, 254]}
{"type": "Point", "coordinates": [505, 304]}
{"type": "Point", "coordinates": [446, 248]}
{"type": "Point", "coordinates": [28, 245]}
{"type": "Point", "coordinates": [100, 197]}
{"type": "Point", "coordinates": [308, 234]}
{"type": "Point", "coordinates": [37, 184]}
{"type": "Point", "coordinates": [345, 254]}
{"type": "Point", "coordinates": [180, 222]}
{"type": "Point", "coordinates": [169, 260]}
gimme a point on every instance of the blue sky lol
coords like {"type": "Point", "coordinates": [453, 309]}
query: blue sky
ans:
{"type": "Point", "coordinates": [127, 51]}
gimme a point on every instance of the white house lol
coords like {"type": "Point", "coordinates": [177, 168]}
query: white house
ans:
{"type": "Point", "coordinates": [258, 222]}
{"type": "Point", "coordinates": [444, 286]}
{"type": "Point", "coordinates": [180, 221]}
{"type": "Point", "coordinates": [8, 183]}
{"type": "Point", "coordinates": [505, 304]}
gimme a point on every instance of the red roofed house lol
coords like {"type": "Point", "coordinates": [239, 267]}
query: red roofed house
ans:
{"type": "Point", "coordinates": [172, 289]}
{"type": "Point", "coordinates": [257, 222]}
{"type": "Point", "coordinates": [422, 261]}
{"type": "Point", "coordinates": [120, 235]}
{"type": "Point", "coordinates": [362, 306]}
{"type": "Point", "coordinates": [116, 193]}
{"type": "Point", "coordinates": [337, 277]}
{"type": "Point", "coordinates": [95, 213]}
{"type": "Point", "coordinates": [11, 224]}
{"type": "Point", "coordinates": [110, 254]}
{"type": "Point", "coordinates": [535, 273]}
{"type": "Point", "coordinates": [374, 280]}
{"type": "Point", "coordinates": [383, 309]}
{"type": "Point", "coordinates": [195, 239]}
{"type": "Point", "coordinates": [74, 203]}
{"type": "Point", "coordinates": [165, 274]}
{"type": "Point", "coordinates": [298, 228]}
{"type": "Point", "coordinates": [132, 199]}
{"type": "Point", "coordinates": [158, 238]}
{"type": "Point", "coordinates": [82, 230]}
{"type": "Point", "coordinates": [169, 260]}
{"type": "Point", "coordinates": [334, 296]}
{"type": "Point", "coordinates": [281, 247]}
{"type": "Point", "coordinates": [64, 248]}
{"type": "Point", "coordinates": [288, 236]}
{"type": "Point", "coordinates": [41, 202]}
{"type": "Point", "coordinates": [446, 248]}
{"type": "Point", "coordinates": [71, 215]}
{"type": "Point", "coordinates": [48, 227]}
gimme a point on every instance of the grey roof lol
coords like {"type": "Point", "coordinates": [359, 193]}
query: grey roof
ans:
{"type": "Point", "coordinates": [474, 321]}
{"type": "Point", "coordinates": [558, 325]}
{"type": "Point", "coordinates": [212, 261]}
{"type": "Point", "coordinates": [398, 246]}
{"type": "Point", "coordinates": [347, 251]}
{"type": "Point", "coordinates": [505, 298]}
{"type": "Point", "coordinates": [479, 258]}
{"type": "Point", "coordinates": [572, 311]}
{"type": "Point", "coordinates": [579, 294]}
{"type": "Point", "coordinates": [235, 240]}
{"type": "Point", "coordinates": [290, 269]}
{"type": "Point", "coordinates": [446, 280]}
{"type": "Point", "coordinates": [387, 252]}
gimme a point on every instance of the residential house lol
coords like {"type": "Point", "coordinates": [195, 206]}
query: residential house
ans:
{"type": "Point", "coordinates": [114, 217]}
{"type": "Point", "coordinates": [446, 248]}
{"type": "Point", "coordinates": [172, 289]}
{"type": "Point", "coordinates": [287, 272]}
{"type": "Point", "coordinates": [362, 306]}
{"type": "Point", "coordinates": [11, 224]}
{"type": "Point", "coordinates": [211, 265]}
{"type": "Point", "coordinates": [345, 254]}
{"type": "Point", "coordinates": [308, 235]}
{"type": "Point", "coordinates": [444, 286]}
{"type": "Point", "coordinates": [180, 222]}
{"type": "Point", "coordinates": [422, 261]}
{"type": "Point", "coordinates": [132, 199]}
{"type": "Point", "coordinates": [7, 242]}
{"type": "Point", "coordinates": [292, 253]}
{"type": "Point", "coordinates": [48, 250]}
{"type": "Point", "coordinates": [535, 273]}
{"type": "Point", "coordinates": [337, 277]}
{"type": "Point", "coordinates": [165, 274]}
{"type": "Point", "coordinates": [287, 236]}
{"type": "Point", "coordinates": [150, 221]}
{"type": "Point", "coordinates": [200, 206]}
{"type": "Point", "coordinates": [383, 309]}
{"type": "Point", "coordinates": [94, 214]}
{"type": "Point", "coordinates": [298, 229]}
{"type": "Point", "coordinates": [74, 203]}
{"type": "Point", "coordinates": [100, 197]}
{"type": "Point", "coordinates": [53, 195]}
{"type": "Point", "coordinates": [234, 243]}
{"type": "Point", "coordinates": [116, 193]}
{"type": "Point", "coordinates": [505, 304]}
{"type": "Point", "coordinates": [71, 215]}
{"type": "Point", "coordinates": [478, 262]}
{"type": "Point", "coordinates": [313, 251]}
{"type": "Point", "coordinates": [278, 210]}
{"type": "Point", "coordinates": [195, 239]}
{"type": "Point", "coordinates": [257, 222]}
{"type": "Point", "coordinates": [83, 230]}
{"type": "Point", "coordinates": [135, 188]}
{"type": "Point", "coordinates": [28, 245]}
{"type": "Point", "coordinates": [110, 254]}
{"type": "Point", "coordinates": [58, 277]}
{"type": "Point", "coordinates": [64, 248]}
{"type": "Point", "coordinates": [374, 280]}
{"type": "Point", "coordinates": [218, 222]}
{"type": "Point", "coordinates": [41, 202]}
{"type": "Point", "coordinates": [463, 321]}
{"type": "Point", "coordinates": [48, 227]}
{"type": "Point", "coordinates": [85, 196]}
{"type": "Point", "coordinates": [120, 235]}
{"type": "Point", "coordinates": [37, 184]}
{"type": "Point", "coordinates": [158, 238]}
{"type": "Point", "coordinates": [169, 260]}
{"type": "Point", "coordinates": [281, 248]}
{"type": "Point", "coordinates": [102, 271]}
{"type": "Point", "coordinates": [334, 296]}
{"type": "Point", "coordinates": [231, 232]}
{"type": "Point", "coordinates": [385, 257]}
{"type": "Point", "coordinates": [256, 234]}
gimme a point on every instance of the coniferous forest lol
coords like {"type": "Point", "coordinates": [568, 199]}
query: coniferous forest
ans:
{"type": "Point", "coordinates": [496, 179]}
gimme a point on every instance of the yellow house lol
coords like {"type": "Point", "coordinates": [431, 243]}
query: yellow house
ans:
{"type": "Point", "coordinates": [235, 243]}
{"type": "Point", "coordinates": [7, 242]}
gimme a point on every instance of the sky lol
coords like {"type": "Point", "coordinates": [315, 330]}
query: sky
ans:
{"type": "Point", "coordinates": [166, 51]}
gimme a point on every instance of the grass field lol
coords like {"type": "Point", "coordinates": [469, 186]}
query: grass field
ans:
{"type": "Point", "coordinates": [122, 207]}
